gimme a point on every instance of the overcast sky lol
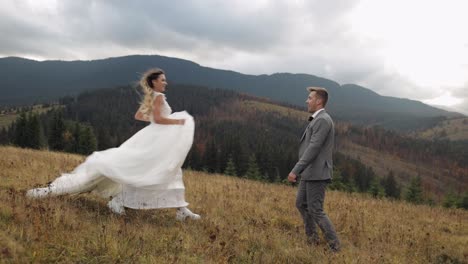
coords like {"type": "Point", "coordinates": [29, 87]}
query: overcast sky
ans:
{"type": "Point", "coordinates": [402, 48]}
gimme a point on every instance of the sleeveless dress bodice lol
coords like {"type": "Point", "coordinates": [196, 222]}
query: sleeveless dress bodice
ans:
{"type": "Point", "coordinates": [166, 110]}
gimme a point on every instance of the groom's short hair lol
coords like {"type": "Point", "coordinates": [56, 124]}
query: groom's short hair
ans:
{"type": "Point", "coordinates": [321, 92]}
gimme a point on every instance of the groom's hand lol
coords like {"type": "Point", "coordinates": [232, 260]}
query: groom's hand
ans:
{"type": "Point", "coordinates": [292, 177]}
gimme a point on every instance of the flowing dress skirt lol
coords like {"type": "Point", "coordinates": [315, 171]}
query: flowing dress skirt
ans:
{"type": "Point", "coordinates": [142, 173]}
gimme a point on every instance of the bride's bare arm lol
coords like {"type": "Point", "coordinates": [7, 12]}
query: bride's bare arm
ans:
{"type": "Point", "coordinates": [158, 118]}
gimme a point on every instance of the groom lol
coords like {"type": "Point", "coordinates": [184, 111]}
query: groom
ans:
{"type": "Point", "coordinates": [315, 166]}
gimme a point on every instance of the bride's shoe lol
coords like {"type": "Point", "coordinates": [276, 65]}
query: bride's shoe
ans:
{"type": "Point", "coordinates": [39, 192]}
{"type": "Point", "coordinates": [184, 212]}
{"type": "Point", "coordinates": [116, 206]}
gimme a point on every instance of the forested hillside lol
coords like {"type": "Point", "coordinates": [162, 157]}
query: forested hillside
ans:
{"type": "Point", "coordinates": [251, 137]}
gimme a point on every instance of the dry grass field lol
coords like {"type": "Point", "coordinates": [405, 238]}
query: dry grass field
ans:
{"type": "Point", "coordinates": [243, 222]}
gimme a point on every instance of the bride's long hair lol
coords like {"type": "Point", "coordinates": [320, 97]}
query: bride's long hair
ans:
{"type": "Point", "coordinates": [146, 84]}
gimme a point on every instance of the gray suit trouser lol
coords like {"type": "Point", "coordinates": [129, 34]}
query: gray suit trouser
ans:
{"type": "Point", "coordinates": [309, 202]}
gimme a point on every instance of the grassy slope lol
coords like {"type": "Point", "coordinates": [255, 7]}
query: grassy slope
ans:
{"type": "Point", "coordinates": [243, 221]}
{"type": "Point", "coordinates": [453, 129]}
{"type": "Point", "coordinates": [7, 118]}
{"type": "Point", "coordinates": [274, 108]}
{"type": "Point", "coordinates": [435, 178]}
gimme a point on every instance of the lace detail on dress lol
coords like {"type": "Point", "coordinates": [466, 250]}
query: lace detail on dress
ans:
{"type": "Point", "coordinates": [166, 109]}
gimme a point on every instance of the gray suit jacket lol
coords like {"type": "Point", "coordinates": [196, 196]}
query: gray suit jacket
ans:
{"type": "Point", "coordinates": [315, 152]}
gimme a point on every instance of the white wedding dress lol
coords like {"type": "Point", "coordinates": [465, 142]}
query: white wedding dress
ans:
{"type": "Point", "coordinates": [143, 173]}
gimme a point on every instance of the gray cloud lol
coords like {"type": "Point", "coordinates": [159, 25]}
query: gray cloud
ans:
{"type": "Point", "coordinates": [162, 25]}
{"type": "Point", "coordinates": [22, 36]}
{"type": "Point", "coordinates": [311, 37]}
{"type": "Point", "coordinates": [462, 108]}
{"type": "Point", "coordinates": [462, 93]}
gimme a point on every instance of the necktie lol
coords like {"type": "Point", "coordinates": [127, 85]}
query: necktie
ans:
{"type": "Point", "coordinates": [311, 118]}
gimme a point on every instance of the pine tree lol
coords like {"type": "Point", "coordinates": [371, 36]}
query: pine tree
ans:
{"type": "Point", "coordinates": [240, 156]}
{"type": "Point", "coordinates": [20, 131]}
{"type": "Point", "coordinates": [451, 200]}
{"type": "Point", "coordinates": [253, 172]}
{"type": "Point", "coordinates": [414, 192]}
{"type": "Point", "coordinates": [57, 128]}
{"type": "Point", "coordinates": [76, 137]}
{"type": "Point", "coordinates": [104, 138]}
{"type": "Point", "coordinates": [230, 167]}
{"type": "Point", "coordinates": [363, 177]}
{"type": "Point", "coordinates": [193, 159]}
{"type": "Point", "coordinates": [4, 136]}
{"type": "Point", "coordinates": [27, 132]}
{"type": "Point", "coordinates": [391, 186]}
{"type": "Point", "coordinates": [277, 178]}
{"type": "Point", "coordinates": [92, 145]}
{"type": "Point", "coordinates": [211, 157]}
{"type": "Point", "coordinates": [464, 201]}
{"type": "Point", "coordinates": [87, 141]}
{"type": "Point", "coordinates": [68, 141]}
{"type": "Point", "coordinates": [375, 189]}
{"type": "Point", "coordinates": [11, 133]}
{"type": "Point", "coordinates": [337, 181]}
{"type": "Point", "coordinates": [34, 132]}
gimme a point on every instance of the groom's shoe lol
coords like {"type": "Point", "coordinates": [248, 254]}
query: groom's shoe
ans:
{"type": "Point", "coordinates": [184, 212]}
{"type": "Point", "coordinates": [334, 247]}
{"type": "Point", "coordinates": [39, 192]}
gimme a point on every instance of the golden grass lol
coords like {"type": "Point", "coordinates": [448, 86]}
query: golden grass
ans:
{"type": "Point", "coordinates": [243, 222]}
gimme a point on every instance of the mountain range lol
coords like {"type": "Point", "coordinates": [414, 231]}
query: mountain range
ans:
{"type": "Point", "coordinates": [25, 81]}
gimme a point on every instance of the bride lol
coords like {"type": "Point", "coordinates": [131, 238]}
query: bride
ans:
{"type": "Point", "coordinates": [145, 171]}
